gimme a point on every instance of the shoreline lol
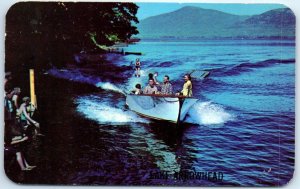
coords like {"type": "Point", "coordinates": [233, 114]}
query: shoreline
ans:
{"type": "Point", "coordinates": [61, 125]}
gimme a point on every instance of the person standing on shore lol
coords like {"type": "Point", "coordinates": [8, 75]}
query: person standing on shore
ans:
{"type": "Point", "coordinates": [15, 97]}
{"type": "Point", "coordinates": [25, 117]}
{"type": "Point", "coordinates": [16, 146]}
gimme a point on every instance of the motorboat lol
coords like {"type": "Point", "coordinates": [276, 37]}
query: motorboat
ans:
{"type": "Point", "coordinates": [160, 107]}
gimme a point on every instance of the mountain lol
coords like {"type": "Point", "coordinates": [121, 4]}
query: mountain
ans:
{"type": "Point", "coordinates": [195, 22]}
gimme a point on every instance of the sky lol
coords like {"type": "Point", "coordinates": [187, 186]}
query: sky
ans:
{"type": "Point", "coordinates": [153, 9]}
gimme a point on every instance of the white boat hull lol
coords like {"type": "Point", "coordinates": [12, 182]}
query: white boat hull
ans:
{"type": "Point", "coordinates": [166, 108]}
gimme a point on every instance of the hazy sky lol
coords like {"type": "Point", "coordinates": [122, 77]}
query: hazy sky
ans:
{"type": "Point", "coordinates": [152, 9]}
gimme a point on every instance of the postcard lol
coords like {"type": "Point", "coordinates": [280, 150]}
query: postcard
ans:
{"type": "Point", "coordinates": [149, 94]}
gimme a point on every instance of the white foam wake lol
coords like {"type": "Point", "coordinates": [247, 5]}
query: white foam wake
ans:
{"type": "Point", "coordinates": [109, 86]}
{"type": "Point", "coordinates": [207, 113]}
{"type": "Point", "coordinates": [96, 110]}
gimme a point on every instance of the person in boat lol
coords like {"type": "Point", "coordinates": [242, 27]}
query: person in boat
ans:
{"type": "Point", "coordinates": [150, 88]}
{"type": "Point", "coordinates": [155, 75]}
{"type": "Point", "coordinates": [137, 67]}
{"type": "Point", "coordinates": [150, 75]}
{"type": "Point", "coordinates": [26, 120]}
{"type": "Point", "coordinates": [154, 78]}
{"type": "Point", "coordinates": [137, 90]}
{"type": "Point", "coordinates": [187, 86]}
{"type": "Point", "coordinates": [166, 86]}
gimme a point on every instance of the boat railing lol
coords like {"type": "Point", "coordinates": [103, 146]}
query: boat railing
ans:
{"type": "Point", "coordinates": [163, 95]}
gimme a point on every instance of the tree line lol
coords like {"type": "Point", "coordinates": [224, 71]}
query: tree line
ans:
{"type": "Point", "coordinates": [41, 35]}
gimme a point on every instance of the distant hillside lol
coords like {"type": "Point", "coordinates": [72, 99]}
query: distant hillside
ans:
{"type": "Point", "coordinates": [195, 22]}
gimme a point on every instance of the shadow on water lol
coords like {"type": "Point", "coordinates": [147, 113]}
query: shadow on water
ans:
{"type": "Point", "coordinates": [170, 133]}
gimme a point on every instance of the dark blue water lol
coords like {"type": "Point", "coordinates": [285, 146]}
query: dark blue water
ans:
{"type": "Point", "coordinates": [242, 127]}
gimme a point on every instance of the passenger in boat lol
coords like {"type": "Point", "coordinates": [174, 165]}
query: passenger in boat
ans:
{"type": "Point", "coordinates": [166, 86]}
{"type": "Point", "coordinates": [187, 86]}
{"type": "Point", "coordinates": [137, 68]}
{"type": "Point", "coordinates": [150, 75]}
{"type": "Point", "coordinates": [26, 110]}
{"type": "Point", "coordinates": [150, 88]}
{"type": "Point", "coordinates": [138, 89]}
{"type": "Point", "coordinates": [155, 78]}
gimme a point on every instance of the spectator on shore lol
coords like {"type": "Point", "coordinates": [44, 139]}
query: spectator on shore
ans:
{"type": "Point", "coordinates": [26, 119]}
{"type": "Point", "coordinates": [15, 146]}
{"type": "Point", "coordinates": [15, 97]}
{"type": "Point", "coordinates": [7, 79]}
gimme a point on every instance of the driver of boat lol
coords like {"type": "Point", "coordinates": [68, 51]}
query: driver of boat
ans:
{"type": "Point", "coordinates": [150, 88]}
{"type": "Point", "coordinates": [187, 86]}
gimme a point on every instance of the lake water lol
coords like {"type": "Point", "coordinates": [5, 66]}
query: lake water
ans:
{"type": "Point", "coordinates": [242, 127]}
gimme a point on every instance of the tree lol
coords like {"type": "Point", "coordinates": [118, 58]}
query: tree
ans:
{"type": "Point", "coordinates": [44, 34]}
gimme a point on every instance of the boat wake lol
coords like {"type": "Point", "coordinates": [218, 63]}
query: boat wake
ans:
{"type": "Point", "coordinates": [76, 75]}
{"type": "Point", "coordinates": [207, 113]}
{"type": "Point", "coordinates": [110, 86]}
{"type": "Point", "coordinates": [93, 108]}
{"type": "Point", "coordinates": [202, 113]}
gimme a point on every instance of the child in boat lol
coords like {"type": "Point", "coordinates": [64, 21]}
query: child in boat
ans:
{"type": "Point", "coordinates": [137, 90]}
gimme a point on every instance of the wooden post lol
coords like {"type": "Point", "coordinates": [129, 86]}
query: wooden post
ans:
{"type": "Point", "coordinates": [32, 89]}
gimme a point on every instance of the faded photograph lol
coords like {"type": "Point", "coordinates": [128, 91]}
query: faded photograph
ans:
{"type": "Point", "coordinates": [149, 94]}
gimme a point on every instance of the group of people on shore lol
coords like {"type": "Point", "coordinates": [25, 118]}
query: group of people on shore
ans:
{"type": "Point", "coordinates": [164, 88]}
{"type": "Point", "coordinates": [19, 122]}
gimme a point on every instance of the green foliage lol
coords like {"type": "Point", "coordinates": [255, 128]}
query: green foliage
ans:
{"type": "Point", "coordinates": [43, 34]}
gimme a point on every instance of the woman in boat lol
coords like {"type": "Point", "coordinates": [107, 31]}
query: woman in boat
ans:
{"type": "Point", "coordinates": [187, 86]}
{"type": "Point", "coordinates": [137, 68]}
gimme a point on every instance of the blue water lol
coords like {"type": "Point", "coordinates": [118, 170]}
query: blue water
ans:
{"type": "Point", "coordinates": [243, 124]}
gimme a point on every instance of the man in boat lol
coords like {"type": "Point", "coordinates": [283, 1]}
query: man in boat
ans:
{"type": "Point", "coordinates": [150, 88]}
{"type": "Point", "coordinates": [137, 67]}
{"type": "Point", "coordinates": [187, 86]}
{"type": "Point", "coordinates": [166, 86]}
